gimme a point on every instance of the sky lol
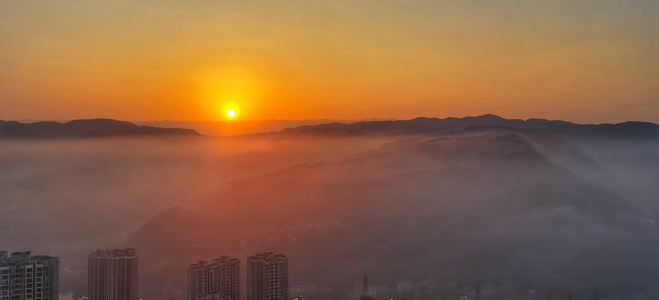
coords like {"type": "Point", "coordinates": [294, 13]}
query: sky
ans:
{"type": "Point", "coordinates": [588, 61]}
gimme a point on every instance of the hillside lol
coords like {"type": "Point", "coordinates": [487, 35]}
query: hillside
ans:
{"type": "Point", "coordinates": [475, 206]}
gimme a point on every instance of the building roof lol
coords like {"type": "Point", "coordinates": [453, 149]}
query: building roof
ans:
{"type": "Point", "coordinates": [268, 257]}
{"type": "Point", "coordinates": [114, 253]}
{"type": "Point", "coordinates": [22, 258]}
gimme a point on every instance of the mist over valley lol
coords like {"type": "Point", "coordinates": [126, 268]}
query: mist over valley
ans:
{"type": "Point", "coordinates": [428, 208]}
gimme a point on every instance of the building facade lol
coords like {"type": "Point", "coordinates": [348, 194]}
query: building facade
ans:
{"type": "Point", "coordinates": [267, 277]}
{"type": "Point", "coordinates": [112, 275]}
{"type": "Point", "coordinates": [26, 277]}
{"type": "Point", "coordinates": [218, 279]}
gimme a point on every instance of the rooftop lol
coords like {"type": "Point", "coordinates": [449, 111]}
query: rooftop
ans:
{"type": "Point", "coordinates": [114, 253]}
{"type": "Point", "coordinates": [19, 258]}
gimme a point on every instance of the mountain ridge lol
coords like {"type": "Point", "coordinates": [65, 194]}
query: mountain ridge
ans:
{"type": "Point", "coordinates": [98, 128]}
{"type": "Point", "coordinates": [408, 199]}
{"type": "Point", "coordinates": [84, 128]}
{"type": "Point", "coordinates": [424, 125]}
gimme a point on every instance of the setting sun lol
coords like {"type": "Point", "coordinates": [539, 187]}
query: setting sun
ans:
{"type": "Point", "coordinates": [231, 113]}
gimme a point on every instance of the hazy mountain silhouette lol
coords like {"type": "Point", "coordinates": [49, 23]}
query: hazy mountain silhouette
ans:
{"type": "Point", "coordinates": [170, 226]}
{"type": "Point", "coordinates": [239, 127]}
{"type": "Point", "coordinates": [422, 126]}
{"type": "Point", "coordinates": [93, 128]}
{"type": "Point", "coordinates": [418, 126]}
{"type": "Point", "coordinates": [477, 205]}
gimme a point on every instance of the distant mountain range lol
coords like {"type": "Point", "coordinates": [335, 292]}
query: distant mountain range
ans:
{"type": "Point", "coordinates": [236, 127]}
{"type": "Point", "coordinates": [95, 128]}
{"type": "Point", "coordinates": [422, 126]}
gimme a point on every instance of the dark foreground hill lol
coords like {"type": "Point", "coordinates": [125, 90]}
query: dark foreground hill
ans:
{"type": "Point", "coordinates": [83, 129]}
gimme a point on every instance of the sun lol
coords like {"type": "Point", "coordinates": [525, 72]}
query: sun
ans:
{"type": "Point", "coordinates": [231, 112]}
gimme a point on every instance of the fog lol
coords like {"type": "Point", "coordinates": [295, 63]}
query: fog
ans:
{"type": "Point", "coordinates": [521, 214]}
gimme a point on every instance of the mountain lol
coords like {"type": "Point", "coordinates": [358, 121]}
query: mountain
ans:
{"type": "Point", "coordinates": [169, 226]}
{"type": "Point", "coordinates": [418, 126]}
{"type": "Point", "coordinates": [237, 127]}
{"type": "Point", "coordinates": [528, 209]}
{"type": "Point", "coordinates": [493, 205]}
{"type": "Point", "coordinates": [425, 126]}
{"type": "Point", "coordinates": [627, 130]}
{"type": "Point", "coordinates": [93, 128]}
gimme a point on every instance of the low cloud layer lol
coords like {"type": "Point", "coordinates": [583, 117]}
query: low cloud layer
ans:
{"type": "Point", "coordinates": [512, 210]}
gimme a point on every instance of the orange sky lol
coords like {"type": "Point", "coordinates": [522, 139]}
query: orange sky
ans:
{"type": "Point", "coordinates": [583, 61]}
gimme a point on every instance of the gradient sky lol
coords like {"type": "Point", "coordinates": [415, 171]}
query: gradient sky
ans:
{"type": "Point", "coordinates": [577, 60]}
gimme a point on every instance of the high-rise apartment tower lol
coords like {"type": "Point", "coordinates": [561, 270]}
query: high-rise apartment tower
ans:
{"type": "Point", "coordinates": [112, 275]}
{"type": "Point", "coordinates": [26, 277]}
{"type": "Point", "coordinates": [218, 279]}
{"type": "Point", "coordinates": [267, 277]}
